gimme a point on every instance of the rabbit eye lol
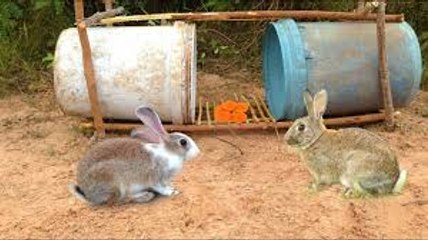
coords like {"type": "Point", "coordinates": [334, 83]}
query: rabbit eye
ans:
{"type": "Point", "coordinates": [301, 127]}
{"type": "Point", "coordinates": [183, 142]}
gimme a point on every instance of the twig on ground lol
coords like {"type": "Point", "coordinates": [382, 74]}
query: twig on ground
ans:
{"type": "Point", "coordinates": [231, 144]}
{"type": "Point", "coordinates": [416, 202]}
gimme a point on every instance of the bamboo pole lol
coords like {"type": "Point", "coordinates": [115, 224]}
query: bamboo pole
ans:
{"type": "Point", "coordinates": [79, 10]}
{"type": "Point", "coordinates": [253, 112]}
{"type": "Point", "coordinates": [200, 111]}
{"type": "Point", "coordinates": [89, 69]}
{"type": "Point", "coordinates": [383, 66]}
{"type": "Point", "coordinates": [262, 114]}
{"type": "Point", "coordinates": [343, 121]}
{"type": "Point", "coordinates": [208, 113]}
{"type": "Point", "coordinates": [255, 15]}
{"type": "Point", "coordinates": [266, 108]}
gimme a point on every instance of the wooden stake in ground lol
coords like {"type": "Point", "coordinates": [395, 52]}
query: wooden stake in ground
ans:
{"type": "Point", "coordinates": [89, 70]}
{"type": "Point", "coordinates": [383, 66]}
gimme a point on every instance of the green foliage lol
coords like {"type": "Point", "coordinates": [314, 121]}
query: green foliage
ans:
{"type": "Point", "coordinates": [48, 60]}
{"type": "Point", "coordinates": [28, 30]}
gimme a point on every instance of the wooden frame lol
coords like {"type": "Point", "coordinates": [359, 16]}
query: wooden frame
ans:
{"type": "Point", "coordinates": [362, 13]}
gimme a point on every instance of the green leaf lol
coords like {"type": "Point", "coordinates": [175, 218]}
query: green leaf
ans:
{"type": "Point", "coordinates": [48, 60]}
{"type": "Point", "coordinates": [424, 47]}
{"type": "Point", "coordinates": [424, 36]}
{"type": "Point", "coordinates": [40, 4]}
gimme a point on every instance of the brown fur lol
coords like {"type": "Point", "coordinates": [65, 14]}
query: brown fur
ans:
{"type": "Point", "coordinates": [358, 159]}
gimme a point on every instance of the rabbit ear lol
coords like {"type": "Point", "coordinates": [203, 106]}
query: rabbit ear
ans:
{"type": "Point", "coordinates": [320, 103]}
{"type": "Point", "coordinates": [151, 119]}
{"type": "Point", "coordinates": [309, 103]}
{"type": "Point", "coordinates": [146, 134]}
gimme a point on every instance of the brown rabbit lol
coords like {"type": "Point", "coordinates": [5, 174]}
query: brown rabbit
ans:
{"type": "Point", "coordinates": [361, 161]}
{"type": "Point", "coordinates": [131, 170]}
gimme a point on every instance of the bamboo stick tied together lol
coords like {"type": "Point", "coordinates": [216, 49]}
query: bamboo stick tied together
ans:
{"type": "Point", "coordinates": [98, 16]}
{"type": "Point", "coordinates": [255, 16]}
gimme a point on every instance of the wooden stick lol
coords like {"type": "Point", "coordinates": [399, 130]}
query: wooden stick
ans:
{"type": "Point", "coordinates": [416, 202]}
{"type": "Point", "coordinates": [98, 16]}
{"type": "Point", "coordinates": [269, 114]}
{"type": "Point", "coordinates": [207, 105]}
{"type": "Point", "coordinates": [253, 112]}
{"type": "Point", "coordinates": [214, 120]}
{"type": "Point", "coordinates": [343, 121]}
{"type": "Point", "coordinates": [90, 80]}
{"type": "Point", "coordinates": [200, 111]}
{"type": "Point", "coordinates": [109, 6]}
{"type": "Point", "coordinates": [88, 69]}
{"type": "Point", "coordinates": [79, 10]}
{"type": "Point", "coordinates": [262, 114]}
{"type": "Point", "coordinates": [256, 15]}
{"type": "Point", "coordinates": [383, 66]}
{"type": "Point", "coordinates": [266, 109]}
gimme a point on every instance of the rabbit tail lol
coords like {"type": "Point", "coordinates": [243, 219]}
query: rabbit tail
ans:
{"type": "Point", "coordinates": [77, 192]}
{"type": "Point", "coordinates": [401, 181]}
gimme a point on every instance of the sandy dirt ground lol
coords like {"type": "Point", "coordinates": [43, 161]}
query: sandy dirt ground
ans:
{"type": "Point", "coordinates": [259, 193]}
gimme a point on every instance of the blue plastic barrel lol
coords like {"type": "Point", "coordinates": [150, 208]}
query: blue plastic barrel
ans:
{"type": "Point", "coordinates": [341, 57]}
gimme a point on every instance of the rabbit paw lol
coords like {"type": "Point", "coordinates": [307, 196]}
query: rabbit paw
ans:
{"type": "Point", "coordinates": [143, 197]}
{"type": "Point", "coordinates": [356, 192]}
{"type": "Point", "coordinates": [166, 190]}
{"type": "Point", "coordinates": [314, 187]}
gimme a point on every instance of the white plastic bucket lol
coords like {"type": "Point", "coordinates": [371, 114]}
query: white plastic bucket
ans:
{"type": "Point", "coordinates": [134, 66]}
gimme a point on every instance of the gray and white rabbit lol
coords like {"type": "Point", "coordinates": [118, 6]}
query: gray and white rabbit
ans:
{"type": "Point", "coordinates": [361, 161]}
{"type": "Point", "coordinates": [133, 169]}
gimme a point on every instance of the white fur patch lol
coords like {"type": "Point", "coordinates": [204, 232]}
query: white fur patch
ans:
{"type": "Point", "coordinates": [193, 151]}
{"type": "Point", "coordinates": [122, 189]}
{"type": "Point", "coordinates": [344, 181]}
{"type": "Point", "coordinates": [135, 188]}
{"type": "Point", "coordinates": [175, 162]}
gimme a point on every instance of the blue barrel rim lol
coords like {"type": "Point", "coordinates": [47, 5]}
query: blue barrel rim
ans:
{"type": "Point", "coordinates": [417, 56]}
{"type": "Point", "coordinates": [283, 102]}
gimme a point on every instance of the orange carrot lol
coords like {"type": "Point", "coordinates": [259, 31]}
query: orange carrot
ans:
{"type": "Point", "coordinates": [231, 111]}
{"type": "Point", "coordinates": [239, 117]}
{"type": "Point", "coordinates": [241, 107]}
